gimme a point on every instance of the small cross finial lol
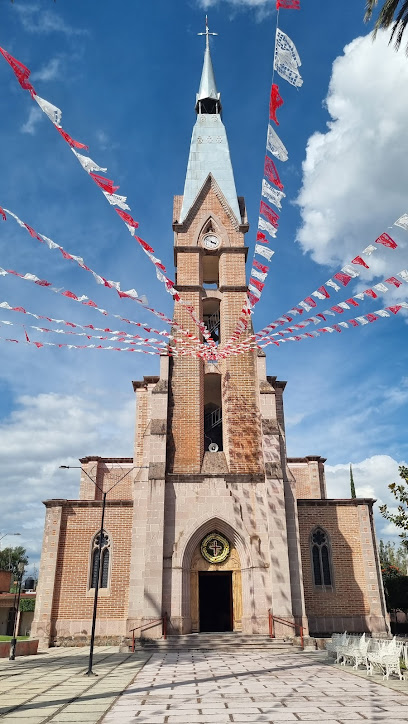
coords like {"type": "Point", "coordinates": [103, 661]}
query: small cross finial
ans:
{"type": "Point", "coordinates": [207, 33]}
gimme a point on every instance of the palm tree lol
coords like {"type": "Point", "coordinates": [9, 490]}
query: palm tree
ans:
{"type": "Point", "coordinates": [393, 13]}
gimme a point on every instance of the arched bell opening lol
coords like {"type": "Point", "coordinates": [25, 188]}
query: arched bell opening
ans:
{"type": "Point", "coordinates": [211, 317]}
{"type": "Point", "coordinates": [212, 413]}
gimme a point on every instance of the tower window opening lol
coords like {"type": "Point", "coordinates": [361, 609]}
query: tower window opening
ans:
{"type": "Point", "coordinates": [211, 318]}
{"type": "Point", "coordinates": [212, 411]}
{"type": "Point", "coordinates": [211, 271]}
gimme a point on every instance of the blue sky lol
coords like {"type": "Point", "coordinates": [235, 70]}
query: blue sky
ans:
{"type": "Point", "coordinates": [125, 76]}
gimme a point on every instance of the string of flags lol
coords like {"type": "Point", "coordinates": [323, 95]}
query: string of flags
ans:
{"type": "Point", "coordinates": [355, 322]}
{"type": "Point", "coordinates": [129, 294]}
{"type": "Point", "coordinates": [76, 346]}
{"type": "Point", "coordinates": [107, 186]}
{"type": "Point", "coordinates": [339, 280]}
{"type": "Point", "coordinates": [339, 308]}
{"type": "Point", "coordinates": [286, 63]}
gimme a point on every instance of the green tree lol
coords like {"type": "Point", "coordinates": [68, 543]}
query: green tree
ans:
{"type": "Point", "coordinates": [390, 555]}
{"type": "Point", "coordinates": [400, 493]}
{"type": "Point", "coordinates": [11, 557]}
{"type": "Point", "coordinates": [394, 14]}
{"type": "Point", "coordinates": [352, 486]}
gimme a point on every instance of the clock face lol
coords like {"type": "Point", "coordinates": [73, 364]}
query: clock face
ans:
{"type": "Point", "coordinates": [211, 242]}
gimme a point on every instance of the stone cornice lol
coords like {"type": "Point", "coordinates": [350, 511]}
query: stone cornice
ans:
{"type": "Point", "coordinates": [147, 380]}
{"type": "Point", "coordinates": [97, 458]}
{"type": "Point", "coordinates": [327, 502]}
{"type": "Point", "coordinates": [63, 503]}
{"type": "Point", "coordinates": [193, 478]}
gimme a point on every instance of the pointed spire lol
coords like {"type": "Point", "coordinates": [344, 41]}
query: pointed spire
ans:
{"type": "Point", "coordinates": [208, 99]}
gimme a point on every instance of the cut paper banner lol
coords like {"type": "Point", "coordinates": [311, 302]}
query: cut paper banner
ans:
{"type": "Point", "coordinates": [288, 4]}
{"type": "Point", "coordinates": [271, 173]}
{"type": "Point", "coordinates": [275, 146]}
{"type": "Point", "coordinates": [275, 102]}
{"type": "Point", "coordinates": [402, 222]}
{"type": "Point", "coordinates": [287, 60]}
{"type": "Point", "coordinates": [273, 195]}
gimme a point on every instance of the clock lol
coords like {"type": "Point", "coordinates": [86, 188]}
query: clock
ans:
{"type": "Point", "coordinates": [211, 242]}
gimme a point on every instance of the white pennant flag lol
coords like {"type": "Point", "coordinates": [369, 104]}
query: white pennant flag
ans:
{"type": "Point", "coordinates": [404, 275]}
{"type": "Point", "coordinates": [361, 320]}
{"type": "Point", "coordinates": [117, 200]}
{"type": "Point", "coordinates": [264, 251]}
{"type": "Point", "coordinates": [380, 287]}
{"type": "Point", "coordinates": [343, 305]}
{"type": "Point", "coordinates": [87, 162]}
{"type": "Point", "coordinates": [382, 313]}
{"type": "Point", "coordinates": [287, 60]}
{"type": "Point", "coordinates": [254, 290]}
{"type": "Point", "coordinates": [53, 113]}
{"type": "Point", "coordinates": [266, 226]}
{"type": "Point", "coordinates": [275, 145]}
{"type": "Point", "coordinates": [402, 222]}
{"type": "Point", "coordinates": [331, 283]}
{"type": "Point", "coordinates": [273, 195]}
{"type": "Point", "coordinates": [370, 249]}
{"type": "Point", "coordinates": [258, 275]}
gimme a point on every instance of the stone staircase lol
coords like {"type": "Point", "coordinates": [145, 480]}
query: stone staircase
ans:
{"type": "Point", "coordinates": [215, 642]}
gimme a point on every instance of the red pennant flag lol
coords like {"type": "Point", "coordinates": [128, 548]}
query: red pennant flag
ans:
{"type": "Point", "coordinates": [262, 267]}
{"type": "Point", "coordinates": [42, 283]}
{"type": "Point", "coordinates": [71, 141]}
{"type": "Point", "coordinates": [286, 316]}
{"type": "Point", "coordinates": [371, 293]}
{"type": "Point", "coordinates": [269, 213]}
{"type": "Point", "coordinates": [90, 303]}
{"type": "Point", "coordinates": [353, 322]}
{"type": "Point", "coordinates": [271, 173]}
{"type": "Point", "coordinates": [19, 309]}
{"type": "Point", "coordinates": [310, 301]}
{"type": "Point", "coordinates": [386, 240]}
{"type": "Point", "coordinates": [69, 294]}
{"type": "Point", "coordinates": [106, 184]}
{"type": "Point", "coordinates": [395, 309]}
{"type": "Point", "coordinates": [393, 280]}
{"type": "Point", "coordinates": [33, 233]}
{"type": "Point", "coordinates": [26, 335]}
{"type": "Point", "coordinates": [352, 302]}
{"type": "Point", "coordinates": [323, 291]}
{"type": "Point", "coordinates": [321, 316]}
{"type": "Point", "coordinates": [371, 317]}
{"type": "Point", "coordinates": [275, 102]}
{"type": "Point", "coordinates": [127, 218]}
{"type": "Point", "coordinates": [337, 309]}
{"type": "Point", "coordinates": [20, 71]}
{"type": "Point", "coordinates": [65, 254]}
{"type": "Point", "coordinates": [336, 327]}
{"type": "Point", "coordinates": [359, 260]}
{"type": "Point", "coordinates": [38, 344]}
{"type": "Point", "coordinates": [144, 244]}
{"type": "Point", "coordinates": [2, 213]}
{"type": "Point", "coordinates": [288, 4]}
{"type": "Point", "coordinates": [344, 279]}
{"type": "Point", "coordinates": [259, 285]}
{"type": "Point", "coordinates": [262, 238]}
{"type": "Point", "coordinates": [252, 298]}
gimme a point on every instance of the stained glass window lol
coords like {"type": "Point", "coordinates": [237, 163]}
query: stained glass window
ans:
{"type": "Point", "coordinates": [321, 564]}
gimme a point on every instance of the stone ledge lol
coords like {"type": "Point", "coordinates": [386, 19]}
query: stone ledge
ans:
{"type": "Point", "coordinates": [304, 502]}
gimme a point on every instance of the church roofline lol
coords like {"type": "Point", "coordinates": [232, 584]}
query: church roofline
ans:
{"type": "Point", "coordinates": [307, 458]}
{"type": "Point", "coordinates": [147, 380]}
{"type": "Point", "coordinates": [210, 182]}
{"type": "Point", "coordinates": [97, 458]}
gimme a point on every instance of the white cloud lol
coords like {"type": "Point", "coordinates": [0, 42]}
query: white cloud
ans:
{"type": "Point", "coordinates": [36, 19]}
{"type": "Point", "coordinates": [49, 71]}
{"type": "Point", "coordinates": [34, 117]}
{"type": "Point", "coordinates": [43, 432]}
{"type": "Point", "coordinates": [372, 477]}
{"type": "Point", "coordinates": [355, 175]}
{"type": "Point", "coordinates": [262, 7]}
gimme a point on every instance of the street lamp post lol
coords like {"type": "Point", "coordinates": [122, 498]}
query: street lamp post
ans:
{"type": "Point", "coordinates": [13, 642]}
{"type": "Point", "coordinates": [89, 671]}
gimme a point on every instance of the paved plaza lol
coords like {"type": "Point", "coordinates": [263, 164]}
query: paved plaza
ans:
{"type": "Point", "coordinates": [204, 687]}
{"type": "Point", "coordinates": [193, 688]}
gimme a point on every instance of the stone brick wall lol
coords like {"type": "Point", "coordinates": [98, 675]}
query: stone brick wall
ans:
{"type": "Point", "coordinates": [309, 475]}
{"type": "Point", "coordinates": [72, 599]}
{"type": "Point", "coordinates": [355, 602]}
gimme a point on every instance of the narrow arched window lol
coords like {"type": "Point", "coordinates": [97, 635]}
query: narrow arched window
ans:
{"type": "Point", "coordinates": [321, 559]}
{"type": "Point", "coordinates": [104, 566]}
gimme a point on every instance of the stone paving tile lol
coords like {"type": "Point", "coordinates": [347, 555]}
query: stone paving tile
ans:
{"type": "Point", "coordinates": [216, 688]}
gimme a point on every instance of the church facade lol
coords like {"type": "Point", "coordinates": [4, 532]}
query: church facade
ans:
{"type": "Point", "coordinates": [213, 525]}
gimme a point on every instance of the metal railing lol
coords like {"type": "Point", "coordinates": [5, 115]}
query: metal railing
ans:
{"type": "Point", "coordinates": [273, 618]}
{"type": "Point", "coordinates": [213, 419]}
{"type": "Point", "coordinates": [212, 321]}
{"type": "Point", "coordinates": [150, 624]}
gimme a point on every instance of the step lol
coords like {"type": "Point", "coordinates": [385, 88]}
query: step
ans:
{"type": "Point", "coordinates": [217, 642]}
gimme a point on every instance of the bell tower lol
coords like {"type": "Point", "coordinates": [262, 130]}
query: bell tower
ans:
{"type": "Point", "coordinates": [214, 419]}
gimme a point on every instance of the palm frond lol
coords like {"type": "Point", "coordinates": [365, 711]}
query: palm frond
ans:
{"type": "Point", "coordinates": [370, 5]}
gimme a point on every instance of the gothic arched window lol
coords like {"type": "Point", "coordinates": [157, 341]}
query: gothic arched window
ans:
{"type": "Point", "coordinates": [104, 568]}
{"type": "Point", "coordinates": [321, 559]}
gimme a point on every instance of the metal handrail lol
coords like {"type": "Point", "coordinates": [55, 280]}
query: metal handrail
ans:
{"type": "Point", "coordinates": [273, 618]}
{"type": "Point", "coordinates": [162, 620]}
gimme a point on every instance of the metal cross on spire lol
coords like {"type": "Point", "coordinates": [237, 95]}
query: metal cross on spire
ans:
{"type": "Point", "coordinates": [207, 33]}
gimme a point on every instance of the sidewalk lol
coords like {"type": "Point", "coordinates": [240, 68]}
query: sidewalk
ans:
{"type": "Point", "coordinates": [52, 687]}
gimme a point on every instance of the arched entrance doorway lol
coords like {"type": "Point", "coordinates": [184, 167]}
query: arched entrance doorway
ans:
{"type": "Point", "coordinates": [215, 586]}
